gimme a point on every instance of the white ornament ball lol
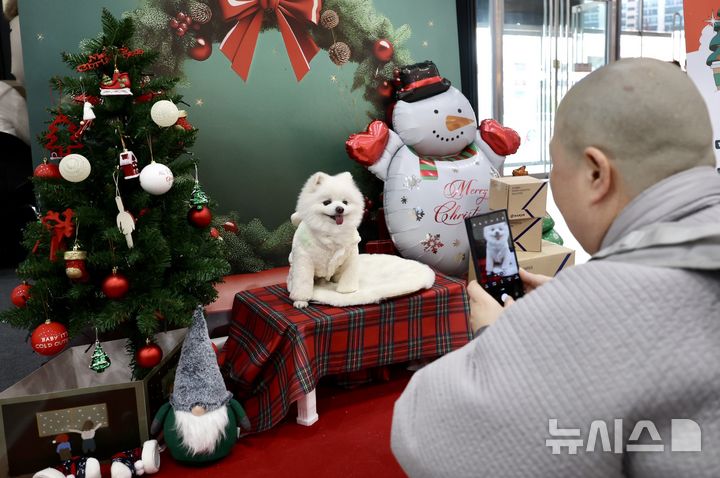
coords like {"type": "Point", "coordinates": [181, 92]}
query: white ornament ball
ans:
{"type": "Point", "coordinates": [74, 168]}
{"type": "Point", "coordinates": [156, 178]}
{"type": "Point", "coordinates": [164, 113]}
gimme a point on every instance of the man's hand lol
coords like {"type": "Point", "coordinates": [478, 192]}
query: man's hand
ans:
{"type": "Point", "coordinates": [484, 310]}
{"type": "Point", "coordinates": [532, 281]}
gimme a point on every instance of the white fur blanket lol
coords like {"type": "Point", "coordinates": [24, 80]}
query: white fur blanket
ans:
{"type": "Point", "coordinates": [381, 276]}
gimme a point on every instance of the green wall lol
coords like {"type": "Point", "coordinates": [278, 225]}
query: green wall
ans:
{"type": "Point", "coordinates": [259, 140]}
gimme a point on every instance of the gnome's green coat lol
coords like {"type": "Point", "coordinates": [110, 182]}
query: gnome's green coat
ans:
{"type": "Point", "coordinates": [198, 382]}
{"type": "Point", "coordinates": [165, 417]}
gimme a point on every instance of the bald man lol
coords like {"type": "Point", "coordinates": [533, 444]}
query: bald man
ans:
{"type": "Point", "coordinates": [612, 368]}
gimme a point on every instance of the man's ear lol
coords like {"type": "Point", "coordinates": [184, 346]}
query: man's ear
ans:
{"type": "Point", "coordinates": [599, 173]}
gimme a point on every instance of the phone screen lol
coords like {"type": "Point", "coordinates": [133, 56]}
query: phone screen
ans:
{"type": "Point", "coordinates": [493, 254]}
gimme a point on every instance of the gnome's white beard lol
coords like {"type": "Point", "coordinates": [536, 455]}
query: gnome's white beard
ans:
{"type": "Point", "coordinates": [201, 434]}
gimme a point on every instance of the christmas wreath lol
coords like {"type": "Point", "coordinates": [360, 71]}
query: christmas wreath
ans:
{"type": "Point", "coordinates": [350, 31]}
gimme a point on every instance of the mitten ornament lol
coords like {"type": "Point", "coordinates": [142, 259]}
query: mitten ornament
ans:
{"type": "Point", "coordinates": [136, 462]}
{"type": "Point", "coordinates": [76, 467]}
{"type": "Point", "coordinates": [75, 267]}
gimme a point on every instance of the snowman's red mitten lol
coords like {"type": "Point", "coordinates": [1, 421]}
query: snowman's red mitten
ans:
{"type": "Point", "coordinates": [367, 147]}
{"type": "Point", "coordinates": [503, 141]}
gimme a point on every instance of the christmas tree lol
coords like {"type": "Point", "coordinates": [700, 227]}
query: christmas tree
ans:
{"type": "Point", "coordinates": [114, 250]}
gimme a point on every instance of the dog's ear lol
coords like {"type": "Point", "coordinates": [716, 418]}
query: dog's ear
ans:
{"type": "Point", "coordinates": [316, 180]}
{"type": "Point", "coordinates": [346, 176]}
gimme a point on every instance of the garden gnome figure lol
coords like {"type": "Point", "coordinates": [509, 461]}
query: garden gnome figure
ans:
{"type": "Point", "coordinates": [201, 420]}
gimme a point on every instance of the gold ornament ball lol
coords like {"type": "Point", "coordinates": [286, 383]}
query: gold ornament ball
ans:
{"type": "Point", "coordinates": [339, 53]}
{"type": "Point", "coordinates": [329, 19]}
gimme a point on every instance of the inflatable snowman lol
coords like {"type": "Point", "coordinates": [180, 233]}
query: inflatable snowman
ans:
{"type": "Point", "coordinates": [436, 165]}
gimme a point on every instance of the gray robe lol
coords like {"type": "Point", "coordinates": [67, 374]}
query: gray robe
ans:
{"type": "Point", "coordinates": [632, 335]}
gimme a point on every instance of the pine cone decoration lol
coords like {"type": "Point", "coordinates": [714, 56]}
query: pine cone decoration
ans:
{"type": "Point", "coordinates": [329, 19]}
{"type": "Point", "coordinates": [200, 12]}
{"type": "Point", "coordinates": [339, 53]}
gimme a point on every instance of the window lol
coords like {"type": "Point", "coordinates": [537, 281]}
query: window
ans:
{"type": "Point", "coordinates": [652, 28]}
{"type": "Point", "coordinates": [547, 46]}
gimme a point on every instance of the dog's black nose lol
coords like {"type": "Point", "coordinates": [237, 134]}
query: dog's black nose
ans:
{"type": "Point", "coordinates": [339, 210]}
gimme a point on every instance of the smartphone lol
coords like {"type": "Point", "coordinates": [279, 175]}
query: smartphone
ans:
{"type": "Point", "coordinates": [493, 254]}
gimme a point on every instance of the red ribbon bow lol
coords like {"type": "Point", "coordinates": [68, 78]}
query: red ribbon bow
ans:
{"type": "Point", "coordinates": [60, 230]}
{"type": "Point", "coordinates": [239, 43]}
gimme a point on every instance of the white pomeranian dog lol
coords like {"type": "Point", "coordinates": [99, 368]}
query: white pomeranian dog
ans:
{"type": "Point", "coordinates": [498, 259]}
{"type": "Point", "coordinates": [325, 245]}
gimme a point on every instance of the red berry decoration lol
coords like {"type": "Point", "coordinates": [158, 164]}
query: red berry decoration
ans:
{"type": "Point", "coordinates": [202, 49]}
{"type": "Point", "coordinates": [173, 23]}
{"type": "Point", "coordinates": [385, 89]}
{"type": "Point", "coordinates": [115, 286]}
{"type": "Point", "coordinates": [149, 355]}
{"type": "Point", "coordinates": [180, 31]}
{"type": "Point", "coordinates": [20, 295]}
{"type": "Point", "coordinates": [49, 338]}
{"type": "Point", "coordinates": [214, 233]}
{"type": "Point", "coordinates": [383, 50]}
{"type": "Point", "coordinates": [181, 17]}
{"type": "Point", "coordinates": [200, 218]}
{"type": "Point", "coordinates": [47, 170]}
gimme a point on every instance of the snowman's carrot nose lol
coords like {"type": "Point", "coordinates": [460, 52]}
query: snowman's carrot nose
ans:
{"type": "Point", "coordinates": [454, 122]}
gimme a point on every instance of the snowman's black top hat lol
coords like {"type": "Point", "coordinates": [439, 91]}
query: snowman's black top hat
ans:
{"type": "Point", "coordinates": [420, 81]}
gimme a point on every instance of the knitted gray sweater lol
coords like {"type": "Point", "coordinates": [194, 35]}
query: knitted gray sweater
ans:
{"type": "Point", "coordinates": [633, 335]}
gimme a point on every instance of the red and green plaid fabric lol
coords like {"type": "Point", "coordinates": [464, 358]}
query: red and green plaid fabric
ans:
{"type": "Point", "coordinates": [276, 353]}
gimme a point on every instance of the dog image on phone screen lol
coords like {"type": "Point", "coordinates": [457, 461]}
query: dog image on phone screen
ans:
{"type": "Point", "coordinates": [498, 257]}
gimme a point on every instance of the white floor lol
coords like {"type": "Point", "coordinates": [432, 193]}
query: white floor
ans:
{"type": "Point", "coordinates": [580, 255]}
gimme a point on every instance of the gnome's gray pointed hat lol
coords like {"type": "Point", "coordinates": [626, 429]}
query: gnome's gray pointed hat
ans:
{"type": "Point", "coordinates": [197, 378]}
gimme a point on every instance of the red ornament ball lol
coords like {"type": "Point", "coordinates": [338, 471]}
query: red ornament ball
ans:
{"type": "Point", "coordinates": [385, 89]}
{"type": "Point", "coordinates": [20, 295]}
{"type": "Point", "coordinates": [149, 355]}
{"type": "Point", "coordinates": [200, 218]}
{"type": "Point", "coordinates": [214, 233]}
{"type": "Point", "coordinates": [47, 171]}
{"type": "Point", "coordinates": [202, 49]}
{"type": "Point", "coordinates": [230, 226]}
{"type": "Point", "coordinates": [383, 50]}
{"type": "Point", "coordinates": [115, 286]}
{"type": "Point", "coordinates": [49, 338]}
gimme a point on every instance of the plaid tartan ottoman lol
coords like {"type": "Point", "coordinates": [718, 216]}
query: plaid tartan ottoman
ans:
{"type": "Point", "coordinates": [275, 354]}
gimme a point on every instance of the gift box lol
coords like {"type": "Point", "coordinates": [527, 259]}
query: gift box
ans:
{"type": "Point", "coordinates": [524, 197]}
{"type": "Point", "coordinates": [41, 415]}
{"type": "Point", "coordinates": [527, 234]}
{"type": "Point", "coordinates": [551, 260]}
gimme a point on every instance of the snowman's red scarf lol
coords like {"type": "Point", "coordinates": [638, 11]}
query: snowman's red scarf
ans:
{"type": "Point", "coordinates": [428, 168]}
